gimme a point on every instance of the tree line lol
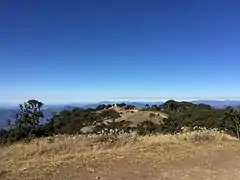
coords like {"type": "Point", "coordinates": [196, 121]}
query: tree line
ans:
{"type": "Point", "coordinates": [27, 126]}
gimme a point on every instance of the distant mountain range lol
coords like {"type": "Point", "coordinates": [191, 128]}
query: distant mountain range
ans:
{"type": "Point", "coordinates": [8, 113]}
{"type": "Point", "coordinates": [218, 104]}
{"type": "Point", "coordinates": [137, 104]}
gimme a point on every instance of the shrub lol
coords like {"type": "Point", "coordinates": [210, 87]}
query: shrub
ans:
{"type": "Point", "coordinates": [147, 127]}
{"type": "Point", "coordinates": [200, 134]}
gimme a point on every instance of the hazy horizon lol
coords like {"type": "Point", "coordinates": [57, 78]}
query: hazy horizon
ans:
{"type": "Point", "coordinates": [151, 100]}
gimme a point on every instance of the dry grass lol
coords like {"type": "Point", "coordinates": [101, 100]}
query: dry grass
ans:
{"type": "Point", "coordinates": [140, 116]}
{"type": "Point", "coordinates": [41, 158]}
{"type": "Point", "coordinates": [203, 134]}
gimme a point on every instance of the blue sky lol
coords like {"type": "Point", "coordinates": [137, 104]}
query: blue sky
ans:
{"type": "Point", "coordinates": [78, 51]}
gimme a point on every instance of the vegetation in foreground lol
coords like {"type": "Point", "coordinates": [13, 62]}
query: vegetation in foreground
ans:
{"type": "Point", "coordinates": [43, 157]}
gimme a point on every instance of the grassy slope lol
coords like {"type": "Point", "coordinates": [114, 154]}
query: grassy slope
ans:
{"type": "Point", "coordinates": [44, 159]}
{"type": "Point", "coordinates": [140, 116]}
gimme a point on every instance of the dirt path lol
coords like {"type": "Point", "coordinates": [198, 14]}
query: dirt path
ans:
{"type": "Point", "coordinates": [220, 165]}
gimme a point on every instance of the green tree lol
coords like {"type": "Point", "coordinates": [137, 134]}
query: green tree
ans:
{"type": "Point", "coordinates": [121, 104]}
{"type": "Point", "coordinates": [234, 117]}
{"type": "Point", "coordinates": [172, 124]}
{"type": "Point", "coordinates": [72, 121]}
{"type": "Point", "coordinates": [147, 106]}
{"type": "Point", "coordinates": [26, 125]}
{"type": "Point", "coordinates": [29, 114]}
{"type": "Point", "coordinates": [101, 107]}
{"type": "Point", "coordinates": [155, 108]}
{"type": "Point", "coordinates": [128, 107]}
{"type": "Point", "coordinates": [110, 114]}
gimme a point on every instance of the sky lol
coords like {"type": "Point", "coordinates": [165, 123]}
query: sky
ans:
{"type": "Point", "coordinates": [83, 51]}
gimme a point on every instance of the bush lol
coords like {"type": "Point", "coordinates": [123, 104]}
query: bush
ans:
{"type": "Point", "coordinates": [3, 136]}
{"type": "Point", "coordinates": [199, 134]}
{"type": "Point", "coordinates": [147, 127]}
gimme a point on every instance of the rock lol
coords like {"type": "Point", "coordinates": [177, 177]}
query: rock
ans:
{"type": "Point", "coordinates": [91, 170]}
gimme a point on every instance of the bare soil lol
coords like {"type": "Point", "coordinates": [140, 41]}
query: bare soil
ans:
{"type": "Point", "coordinates": [220, 165]}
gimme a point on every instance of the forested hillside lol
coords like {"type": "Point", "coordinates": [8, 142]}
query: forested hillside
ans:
{"type": "Point", "coordinates": [106, 118]}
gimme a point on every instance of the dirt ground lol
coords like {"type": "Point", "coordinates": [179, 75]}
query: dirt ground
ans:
{"type": "Point", "coordinates": [155, 157]}
{"type": "Point", "coordinates": [220, 165]}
